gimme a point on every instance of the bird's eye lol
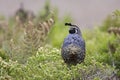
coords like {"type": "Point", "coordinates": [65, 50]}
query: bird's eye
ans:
{"type": "Point", "coordinates": [73, 30]}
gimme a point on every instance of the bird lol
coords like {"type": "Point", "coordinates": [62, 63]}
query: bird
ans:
{"type": "Point", "coordinates": [73, 47]}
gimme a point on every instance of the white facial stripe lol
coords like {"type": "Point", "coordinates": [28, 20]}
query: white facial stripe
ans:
{"type": "Point", "coordinates": [76, 30]}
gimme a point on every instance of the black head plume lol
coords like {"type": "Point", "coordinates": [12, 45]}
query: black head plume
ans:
{"type": "Point", "coordinates": [73, 29]}
{"type": "Point", "coordinates": [68, 24]}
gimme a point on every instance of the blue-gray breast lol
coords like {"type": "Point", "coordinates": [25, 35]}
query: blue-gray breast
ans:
{"type": "Point", "coordinates": [73, 48]}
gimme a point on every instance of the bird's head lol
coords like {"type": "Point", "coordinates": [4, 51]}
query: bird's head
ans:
{"type": "Point", "coordinates": [73, 29]}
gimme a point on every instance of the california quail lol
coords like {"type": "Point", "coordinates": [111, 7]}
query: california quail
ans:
{"type": "Point", "coordinates": [73, 48]}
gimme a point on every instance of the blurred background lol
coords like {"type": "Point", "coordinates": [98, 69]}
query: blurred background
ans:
{"type": "Point", "coordinates": [32, 33]}
{"type": "Point", "coordinates": [83, 12]}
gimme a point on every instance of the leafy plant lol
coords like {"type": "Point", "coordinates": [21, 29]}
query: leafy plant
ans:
{"type": "Point", "coordinates": [48, 64]}
{"type": "Point", "coordinates": [112, 20]}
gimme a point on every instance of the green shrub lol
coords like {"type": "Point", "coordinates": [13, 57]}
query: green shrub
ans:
{"type": "Point", "coordinates": [48, 64]}
{"type": "Point", "coordinates": [58, 32]}
{"type": "Point", "coordinates": [112, 20]}
{"type": "Point", "coordinates": [100, 62]}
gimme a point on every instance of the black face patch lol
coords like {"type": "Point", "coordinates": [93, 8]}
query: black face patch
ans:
{"type": "Point", "coordinates": [72, 31]}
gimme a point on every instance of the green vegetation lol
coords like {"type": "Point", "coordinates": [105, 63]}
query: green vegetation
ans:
{"type": "Point", "coordinates": [47, 64]}
{"type": "Point", "coordinates": [112, 20]}
{"type": "Point", "coordinates": [31, 57]}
